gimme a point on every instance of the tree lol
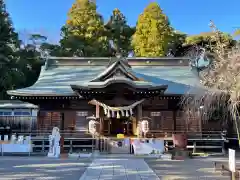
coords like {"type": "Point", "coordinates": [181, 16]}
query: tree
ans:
{"type": "Point", "coordinates": [176, 45]}
{"type": "Point", "coordinates": [84, 33]}
{"type": "Point", "coordinates": [119, 32]}
{"type": "Point", "coordinates": [52, 49]}
{"type": "Point", "coordinates": [31, 59]}
{"type": "Point", "coordinates": [221, 79]}
{"type": "Point", "coordinates": [153, 32]}
{"type": "Point", "coordinates": [10, 74]}
{"type": "Point", "coordinates": [236, 33]}
{"type": "Point", "coordinates": [208, 40]}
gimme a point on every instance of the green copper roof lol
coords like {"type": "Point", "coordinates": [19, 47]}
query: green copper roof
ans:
{"type": "Point", "coordinates": [59, 73]}
{"type": "Point", "coordinates": [16, 104]}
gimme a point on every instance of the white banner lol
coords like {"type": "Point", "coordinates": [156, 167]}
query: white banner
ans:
{"type": "Point", "coordinates": [141, 147]}
{"type": "Point", "coordinates": [232, 160]}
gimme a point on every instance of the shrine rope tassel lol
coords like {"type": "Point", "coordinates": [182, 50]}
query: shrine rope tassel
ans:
{"type": "Point", "coordinates": [116, 111]}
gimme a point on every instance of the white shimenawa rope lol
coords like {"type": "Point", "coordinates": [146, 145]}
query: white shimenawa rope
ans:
{"type": "Point", "coordinates": [110, 111]}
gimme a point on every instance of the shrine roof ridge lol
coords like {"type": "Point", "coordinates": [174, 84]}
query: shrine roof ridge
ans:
{"type": "Point", "coordinates": [104, 61]}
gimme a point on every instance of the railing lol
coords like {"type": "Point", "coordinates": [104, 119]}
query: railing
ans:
{"type": "Point", "coordinates": [199, 134]}
{"type": "Point", "coordinates": [70, 144]}
{"type": "Point", "coordinates": [40, 146]}
{"type": "Point", "coordinates": [150, 134]}
{"type": "Point", "coordinates": [46, 133]}
{"type": "Point", "coordinates": [40, 142]}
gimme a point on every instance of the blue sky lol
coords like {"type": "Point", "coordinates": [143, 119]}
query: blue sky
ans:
{"type": "Point", "coordinates": [189, 16]}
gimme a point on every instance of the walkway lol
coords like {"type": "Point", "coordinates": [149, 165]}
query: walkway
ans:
{"type": "Point", "coordinates": [119, 169]}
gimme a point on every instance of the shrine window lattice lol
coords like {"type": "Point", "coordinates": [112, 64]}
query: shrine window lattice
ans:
{"type": "Point", "coordinates": [154, 114]}
{"type": "Point", "coordinates": [82, 113]}
{"type": "Point", "coordinates": [18, 119]}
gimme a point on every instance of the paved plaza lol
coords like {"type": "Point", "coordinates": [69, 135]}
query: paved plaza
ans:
{"type": "Point", "coordinates": [108, 168]}
{"type": "Point", "coordinates": [189, 169]}
{"type": "Point", "coordinates": [119, 169]}
{"type": "Point", "coordinates": [41, 168]}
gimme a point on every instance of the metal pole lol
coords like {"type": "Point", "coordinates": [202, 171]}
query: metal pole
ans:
{"type": "Point", "coordinates": [2, 149]}
{"type": "Point", "coordinates": [92, 143]}
{"type": "Point", "coordinates": [71, 150]}
{"type": "Point", "coordinates": [30, 144]}
{"type": "Point", "coordinates": [43, 145]}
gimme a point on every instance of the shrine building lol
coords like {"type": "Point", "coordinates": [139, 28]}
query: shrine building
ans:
{"type": "Point", "coordinates": [119, 92]}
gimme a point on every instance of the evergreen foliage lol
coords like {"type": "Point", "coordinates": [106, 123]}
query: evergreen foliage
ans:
{"type": "Point", "coordinates": [84, 33]}
{"type": "Point", "coordinates": [153, 33]}
{"type": "Point", "coordinates": [10, 75]}
{"type": "Point", "coordinates": [119, 33]}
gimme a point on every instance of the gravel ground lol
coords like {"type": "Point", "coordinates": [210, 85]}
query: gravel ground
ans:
{"type": "Point", "coordinates": [36, 168]}
{"type": "Point", "coordinates": [190, 169]}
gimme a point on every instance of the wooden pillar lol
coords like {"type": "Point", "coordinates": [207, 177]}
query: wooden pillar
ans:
{"type": "Point", "coordinates": [134, 126]}
{"type": "Point", "coordinates": [200, 124]}
{"type": "Point", "coordinates": [139, 116]}
{"type": "Point", "coordinates": [174, 121]}
{"type": "Point", "coordinates": [139, 112]}
{"type": "Point", "coordinates": [109, 126]}
{"type": "Point", "coordinates": [101, 121]}
{"type": "Point", "coordinates": [97, 111]}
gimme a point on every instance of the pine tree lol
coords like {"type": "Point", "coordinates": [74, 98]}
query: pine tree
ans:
{"type": "Point", "coordinates": [119, 32]}
{"type": "Point", "coordinates": [153, 33]}
{"type": "Point", "coordinates": [84, 33]}
{"type": "Point", "coordinates": [9, 44]}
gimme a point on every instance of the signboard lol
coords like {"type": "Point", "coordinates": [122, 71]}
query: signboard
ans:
{"type": "Point", "coordinates": [232, 160]}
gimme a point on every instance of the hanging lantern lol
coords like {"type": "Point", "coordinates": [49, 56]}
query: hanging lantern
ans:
{"type": "Point", "coordinates": [144, 126]}
{"type": "Point", "coordinates": [92, 125]}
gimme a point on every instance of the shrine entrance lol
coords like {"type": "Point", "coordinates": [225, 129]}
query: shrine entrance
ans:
{"type": "Point", "coordinates": [121, 126]}
{"type": "Point", "coordinates": [117, 120]}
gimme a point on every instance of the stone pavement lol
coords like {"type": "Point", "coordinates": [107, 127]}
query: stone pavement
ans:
{"type": "Point", "coordinates": [41, 168]}
{"type": "Point", "coordinates": [119, 169]}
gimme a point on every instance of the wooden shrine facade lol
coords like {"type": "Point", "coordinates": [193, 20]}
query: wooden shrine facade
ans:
{"type": "Point", "coordinates": [67, 85]}
{"type": "Point", "coordinates": [164, 111]}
